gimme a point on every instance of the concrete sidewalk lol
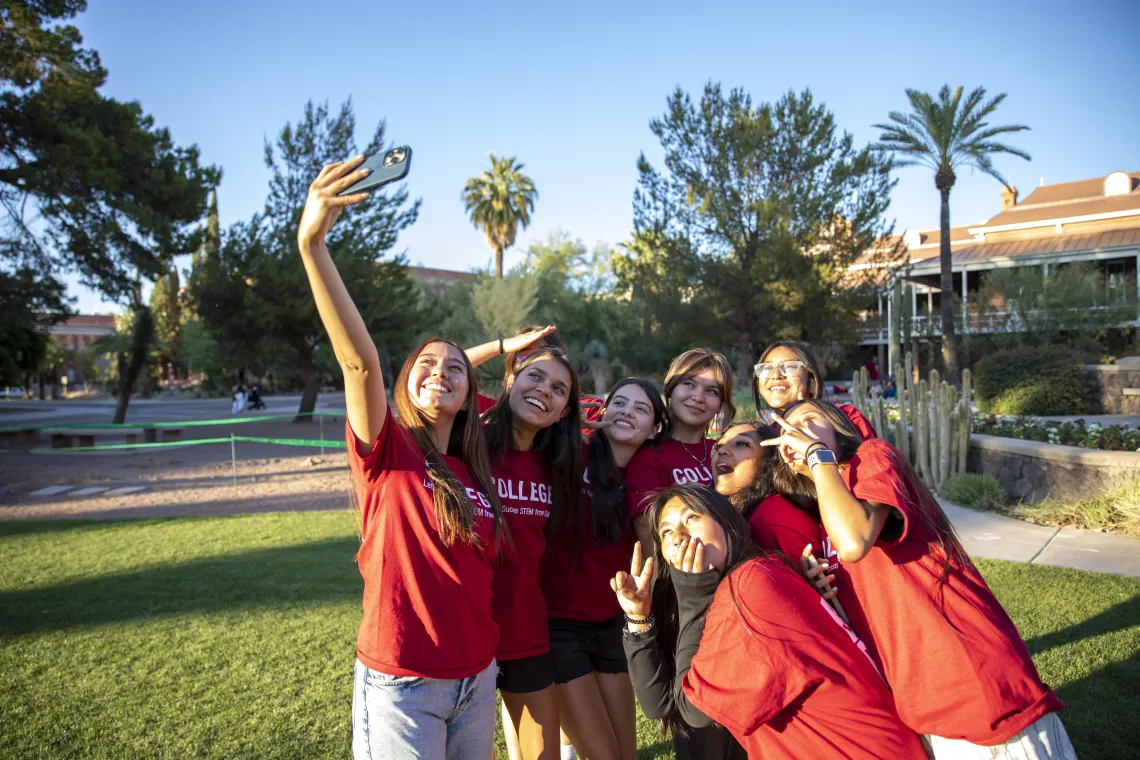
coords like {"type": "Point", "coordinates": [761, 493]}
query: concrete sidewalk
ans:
{"type": "Point", "coordinates": [993, 536]}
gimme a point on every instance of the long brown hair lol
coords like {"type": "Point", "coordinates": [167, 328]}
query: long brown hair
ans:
{"type": "Point", "coordinates": [801, 351]}
{"type": "Point", "coordinates": [697, 360]}
{"type": "Point", "coordinates": [801, 489]}
{"type": "Point", "coordinates": [454, 512]}
{"type": "Point", "coordinates": [560, 444]}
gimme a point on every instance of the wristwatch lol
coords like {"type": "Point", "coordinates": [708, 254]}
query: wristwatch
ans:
{"type": "Point", "coordinates": [821, 455]}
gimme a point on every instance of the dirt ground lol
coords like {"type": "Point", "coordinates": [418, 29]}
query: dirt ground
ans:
{"type": "Point", "coordinates": [179, 481]}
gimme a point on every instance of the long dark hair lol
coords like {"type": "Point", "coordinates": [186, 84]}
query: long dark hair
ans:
{"type": "Point", "coordinates": [801, 489]}
{"type": "Point", "coordinates": [747, 499]}
{"type": "Point", "coordinates": [698, 360]}
{"type": "Point", "coordinates": [609, 513]}
{"type": "Point", "coordinates": [739, 548]}
{"type": "Point", "coordinates": [454, 512]}
{"type": "Point", "coordinates": [801, 351]}
{"type": "Point", "coordinates": [560, 444]}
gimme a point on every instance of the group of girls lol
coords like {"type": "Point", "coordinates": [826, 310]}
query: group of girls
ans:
{"type": "Point", "coordinates": [804, 594]}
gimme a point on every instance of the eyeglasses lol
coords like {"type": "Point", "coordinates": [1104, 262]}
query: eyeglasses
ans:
{"type": "Point", "coordinates": [765, 370]}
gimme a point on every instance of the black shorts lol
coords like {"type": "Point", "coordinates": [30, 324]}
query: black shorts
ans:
{"type": "Point", "coordinates": [526, 675]}
{"type": "Point", "coordinates": [579, 647]}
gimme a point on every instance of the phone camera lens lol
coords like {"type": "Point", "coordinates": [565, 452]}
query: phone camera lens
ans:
{"type": "Point", "coordinates": [395, 156]}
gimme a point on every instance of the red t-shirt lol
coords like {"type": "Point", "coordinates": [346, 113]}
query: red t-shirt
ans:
{"type": "Point", "coordinates": [778, 525]}
{"type": "Point", "coordinates": [861, 423]}
{"type": "Point", "coordinates": [581, 590]}
{"type": "Point", "coordinates": [672, 462]}
{"type": "Point", "coordinates": [518, 605]}
{"type": "Point", "coordinates": [780, 670]}
{"type": "Point", "coordinates": [427, 607]}
{"type": "Point", "coordinates": [958, 667]}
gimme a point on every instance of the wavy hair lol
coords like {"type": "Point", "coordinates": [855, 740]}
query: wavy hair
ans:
{"type": "Point", "coordinates": [454, 512]}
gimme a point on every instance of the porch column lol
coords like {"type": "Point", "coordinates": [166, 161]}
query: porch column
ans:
{"type": "Point", "coordinates": [965, 316]}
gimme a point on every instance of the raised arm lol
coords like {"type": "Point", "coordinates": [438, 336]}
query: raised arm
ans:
{"type": "Point", "coordinates": [483, 353]}
{"type": "Point", "coordinates": [355, 352]}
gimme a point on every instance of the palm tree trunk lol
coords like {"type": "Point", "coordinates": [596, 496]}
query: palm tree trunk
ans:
{"type": "Point", "coordinates": [309, 395]}
{"type": "Point", "coordinates": [499, 263]}
{"type": "Point", "coordinates": [949, 341]}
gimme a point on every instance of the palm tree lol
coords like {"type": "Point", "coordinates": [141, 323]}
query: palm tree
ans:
{"type": "Point", "coordinates": [499, 201]}
{"type": "Point", "coordinates": [945, 134]}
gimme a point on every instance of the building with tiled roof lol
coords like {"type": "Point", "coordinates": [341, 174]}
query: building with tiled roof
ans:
{"type": "Point", "coordinates": [1091, 220]}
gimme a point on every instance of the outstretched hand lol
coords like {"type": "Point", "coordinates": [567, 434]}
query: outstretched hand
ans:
{"type": "Point", "coordinates": [633, 588]}
{"type": "Point", "coordinates": [525, 339]}
{"type": "Point", "coordinates": [323, 205]}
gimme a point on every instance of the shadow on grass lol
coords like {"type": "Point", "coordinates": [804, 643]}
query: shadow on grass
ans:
{"type": "Point", "coordinates": [322, 571]}
{"type": "Point", "coordinates": [1100, 713]}
{"type": "Point", "coordinates": [1115, 618]}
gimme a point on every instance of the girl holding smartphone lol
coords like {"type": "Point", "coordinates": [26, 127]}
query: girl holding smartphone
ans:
{"type": "Point", "coordinates": [959, 670]}
{"type": "Point", "coordinates": [535, 448]}
{"type": "Point", "coordinates": [595, 697]}
{"type": "Point", "coordinates": [430, 523]}
{"type": "Point", "coordinates": [751, 645]}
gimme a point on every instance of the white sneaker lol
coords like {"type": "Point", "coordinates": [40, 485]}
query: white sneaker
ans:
{"type": "Point", "coordinates": [568, 752]}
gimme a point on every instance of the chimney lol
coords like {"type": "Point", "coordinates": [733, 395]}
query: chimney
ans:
{"type": "Point", "coordinates": [1008, 197]}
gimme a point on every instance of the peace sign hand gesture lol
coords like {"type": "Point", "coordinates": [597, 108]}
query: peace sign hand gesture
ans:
{"type": "Point", "coordinates": [792, 441]}
{"type": "Point", "coordinates": [632, 588]}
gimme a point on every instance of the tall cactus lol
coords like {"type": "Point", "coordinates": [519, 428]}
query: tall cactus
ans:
{"type": "Point", "coordinates": [896, 326]}
{"type": "Point", "coordinates": [967, 420]}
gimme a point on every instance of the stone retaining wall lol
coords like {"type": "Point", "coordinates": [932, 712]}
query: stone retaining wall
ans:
{"type": "Point", "coordinates": [1031, 471]}
{"type": "Point", "coordinates": [1114, 382]}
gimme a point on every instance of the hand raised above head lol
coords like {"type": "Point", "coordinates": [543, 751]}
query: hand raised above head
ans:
{"type": "Point", "coordinates": [323, 205]}
{"type": "Point", "coordinates": [525, 339]}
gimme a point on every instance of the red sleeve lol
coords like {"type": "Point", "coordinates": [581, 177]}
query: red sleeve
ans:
{"type": "Point", "coordinates": [593, 413]}
{"type": "Point", "coordinates": [861, 423]}
{"type": "Point", "coordinates": [877, 474]}
{"type": "Point", "coordinates": [642, 481]}
{"type": "Point", "coordinates": [742, 676]}
{"type": "Point", "coordinates": [776, 524]}
{"type": "Point", "coordinates": [483, 403]}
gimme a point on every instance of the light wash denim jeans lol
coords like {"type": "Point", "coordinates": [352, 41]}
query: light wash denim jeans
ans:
{"type": "Point", "coordinates": [405, 717]}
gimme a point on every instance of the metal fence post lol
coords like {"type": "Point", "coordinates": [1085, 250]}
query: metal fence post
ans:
{"type": "Point", "coordinates": [321, 417]}
{"type": "Point", "coordinates": [233, 458]}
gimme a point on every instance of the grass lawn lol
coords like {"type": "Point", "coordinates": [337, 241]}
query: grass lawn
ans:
{"type": "Point", "coordinates": [233, 637]}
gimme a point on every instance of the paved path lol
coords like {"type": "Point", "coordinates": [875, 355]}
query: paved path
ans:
{"type": "Point", "coordinates": [993, 536]}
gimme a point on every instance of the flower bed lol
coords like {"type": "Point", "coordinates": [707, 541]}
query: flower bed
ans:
{"type": "Point", "coordinates": [1087, 435]}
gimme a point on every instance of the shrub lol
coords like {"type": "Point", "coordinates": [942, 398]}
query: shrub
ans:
{"type": "Point", "coordinates": [974, 490]}
{"type": "Point", "coordinates": [1034, 381]}
{"type": "Point", "coordinates": [1117, 511]}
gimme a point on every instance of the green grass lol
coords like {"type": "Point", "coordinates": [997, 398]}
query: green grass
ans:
{"type": "Point", "coordinates": [974, 490]}
{"type": "Point", "coordinates": [233, 638]}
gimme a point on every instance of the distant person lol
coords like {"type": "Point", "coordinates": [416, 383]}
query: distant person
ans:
{"type": "Point", "coordinates": [238, 399]}
{"type": "Point", "coordinates": [872, 368]}
{"type": "Point", "coordinates": [254, 401]}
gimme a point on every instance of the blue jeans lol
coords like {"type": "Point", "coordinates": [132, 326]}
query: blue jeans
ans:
{"type": "Point", "coordinates": [405, 717]}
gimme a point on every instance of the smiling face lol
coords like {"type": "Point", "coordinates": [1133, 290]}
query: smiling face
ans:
{"type": "Point", "coordinates": [780, 392]}
{"type": "Point", "coordinates": [438, 383]}
{"type": "Point", "coordinates": [678, 521]}
{"type": "Point", "coordinates": [696, 399]}
{"type": "Point", "coordinates": [631, 413]}
{"type": "Point", "coordinates": [539, 394]}
{"type": "Point", "coordinates": [808, 418]}
{"type": "Point", "coordinates": [737, 459]}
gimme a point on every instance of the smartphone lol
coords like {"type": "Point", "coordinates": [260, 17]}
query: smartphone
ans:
{"type": "Point", "coordinates": [386, 167]}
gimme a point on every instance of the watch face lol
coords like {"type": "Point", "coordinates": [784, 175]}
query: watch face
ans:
{"type": "Point", "coordinates": [821, 456]}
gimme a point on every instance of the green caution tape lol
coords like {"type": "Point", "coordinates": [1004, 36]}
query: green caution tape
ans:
{"type": "Point", "coordinates": [333, 444]}
{"type": "Point", "coordinates": [187, 423]}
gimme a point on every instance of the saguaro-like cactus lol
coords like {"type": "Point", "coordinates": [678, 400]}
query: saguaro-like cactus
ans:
{"type": "Point", "coordinates": [967, 414]}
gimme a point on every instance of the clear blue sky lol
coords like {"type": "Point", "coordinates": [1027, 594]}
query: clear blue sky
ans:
{"type": "Point", "coordinates": [570, 88]}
